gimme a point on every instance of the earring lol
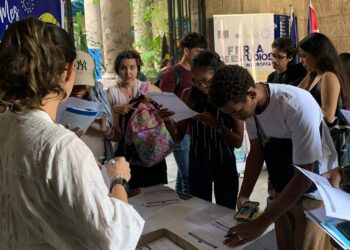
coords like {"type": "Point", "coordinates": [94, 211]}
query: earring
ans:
{"type": "Point", "coordinates": [254, 101]}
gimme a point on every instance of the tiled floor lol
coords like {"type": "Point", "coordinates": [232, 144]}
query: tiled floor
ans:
{"type": "Point", "coordinates": [259, 193]}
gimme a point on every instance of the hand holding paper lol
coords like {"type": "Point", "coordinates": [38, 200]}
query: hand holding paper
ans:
{"type": "Point", "coordinates": [336, 201]}
{"type": "Point", "coordinates": [78, 113]}
{"type": "Point", "coordinates": [171, 102]}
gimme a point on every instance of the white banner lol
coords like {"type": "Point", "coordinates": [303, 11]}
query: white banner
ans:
{"type": "Point", "coordinates": [246, 40]}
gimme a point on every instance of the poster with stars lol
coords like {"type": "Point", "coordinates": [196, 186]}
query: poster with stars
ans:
{"type": "Point", "coordinates": [15, 10]}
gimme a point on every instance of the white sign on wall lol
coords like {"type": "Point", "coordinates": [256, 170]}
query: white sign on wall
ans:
{"type": "Point", "coordinates": [246, 40]}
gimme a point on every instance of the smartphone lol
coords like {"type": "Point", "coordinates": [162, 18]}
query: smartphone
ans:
{"type": "Point", "coordinates": [246, 212]}
{"type": "Point", "coordinates": [344, 228]}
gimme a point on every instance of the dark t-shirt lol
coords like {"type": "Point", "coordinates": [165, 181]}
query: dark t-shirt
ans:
{"type": "Point", "coordinates": [168, 80]}
{"type": "Point", "coordinates": [294, 74]}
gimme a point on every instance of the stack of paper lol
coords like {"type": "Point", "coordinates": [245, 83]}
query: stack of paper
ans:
{"type": "Point", "coordinates": [335, 210]}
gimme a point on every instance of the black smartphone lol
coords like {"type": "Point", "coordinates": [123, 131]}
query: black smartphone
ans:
{"type": "Point", "coordinates": [344, 228]}
{"type": "Point", "coordinates": [246, 212]}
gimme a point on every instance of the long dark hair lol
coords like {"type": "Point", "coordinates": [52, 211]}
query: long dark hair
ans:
{"type": "Point", "coordinates": [206, 60]}
{"type": "Point", "coordinates": [326, 56]}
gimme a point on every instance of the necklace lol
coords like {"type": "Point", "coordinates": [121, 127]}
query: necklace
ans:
{"type": "Point", "coordinates": [128, 92]}
{"type": "Point", "coordinates": [261, 109]}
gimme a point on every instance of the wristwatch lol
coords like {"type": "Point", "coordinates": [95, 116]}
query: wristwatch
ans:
{"type": "Point", "coordinates": [120, 181]}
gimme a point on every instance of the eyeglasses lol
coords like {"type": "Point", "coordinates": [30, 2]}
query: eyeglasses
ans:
{"type": "Point", "coordinates": [202, 83]}
{"type": "Point", "coordinates": [278, 57]}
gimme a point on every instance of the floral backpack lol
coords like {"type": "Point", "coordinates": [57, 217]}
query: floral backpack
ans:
{"type": "Point", "coordinates": [147, 140]}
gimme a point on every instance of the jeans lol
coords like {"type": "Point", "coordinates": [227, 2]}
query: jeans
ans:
{"type": "Point", "coordinates": [181, 155]}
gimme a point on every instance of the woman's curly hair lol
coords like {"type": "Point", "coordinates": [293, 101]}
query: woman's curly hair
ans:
{"type": "Point", "coordinates": [33, 56]}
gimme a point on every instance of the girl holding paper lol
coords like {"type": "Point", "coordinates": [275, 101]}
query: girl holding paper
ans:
{"type": "Point", "coordinates": [214, 135]}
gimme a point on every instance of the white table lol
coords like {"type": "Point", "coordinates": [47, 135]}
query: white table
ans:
{"type": "Point", "coordinates": [194, 218]}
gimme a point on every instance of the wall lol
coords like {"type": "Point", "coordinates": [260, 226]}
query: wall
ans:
{"type": "Point", "coordinates": [333, 16]}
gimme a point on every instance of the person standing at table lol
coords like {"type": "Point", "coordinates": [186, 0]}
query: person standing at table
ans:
{"type": "Point", "coordinates": [275, 111]}
{"type": "Point", "coordinates": [127, 65]}
{"type": "Point", "coordinates": [213, 137]}
{"type": "Point", "coordinates": [52, 193]}
{"type": "Point", "coordinates": [175, 79]}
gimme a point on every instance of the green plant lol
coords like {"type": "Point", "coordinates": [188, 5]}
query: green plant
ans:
{"type": "Point", "coordinates": [152, 18]}
{"type": "Point", "coordinates": [80, 41]}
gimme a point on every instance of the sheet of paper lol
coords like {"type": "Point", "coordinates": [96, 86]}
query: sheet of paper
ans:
{"type": "Point", "coordinates": [213, 233]}
{"type": "Point", "coordinates": [153, 199]}
{"type": "Point", "coordinates": [173, 103]}
{"type": "Point", "coordinates": [328, 224]}
{"type": "Point", "coordinates": [77, 118]}
{"type": "Point", "coordinates": [336, 201]}
{"type": "Point", "coordinates": [160, 244]}
{"type": "Point", "coordinates": [206, 213]}
{"type": "Point", "coordinates": [78, 113]}
{"type": "Point", "coordinates": [346, 114]}
{"type": "Point", "coordinates": [155, 196]}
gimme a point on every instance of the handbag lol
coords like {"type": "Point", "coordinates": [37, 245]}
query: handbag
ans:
{"type": "Point", "coordinates": [340, 132]}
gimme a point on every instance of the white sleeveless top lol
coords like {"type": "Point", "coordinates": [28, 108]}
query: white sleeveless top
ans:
{"type": "Point", "coordinates": [117, 95]}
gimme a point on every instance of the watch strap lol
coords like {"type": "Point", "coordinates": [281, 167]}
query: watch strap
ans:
{"type": "Point", "coordinates": [120, 181]}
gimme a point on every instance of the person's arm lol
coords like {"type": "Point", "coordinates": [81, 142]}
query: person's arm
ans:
{"type": "Point", "coordinates": [249, 231]}
{"type": "Point", "coordinates": [252, 171]}
{"type": "Point", "coordinates": [177, 130]}
{"type": "Point", "coordinates": [119, 169]}
{"type": "Point", "coordinates": [234, 135]}
{"type": "Point", "coordinates": [85, 198]}
{"type": "Point", "coordinates": [334, 176]}
{"type": "Point", "coordinates": [330, 90]}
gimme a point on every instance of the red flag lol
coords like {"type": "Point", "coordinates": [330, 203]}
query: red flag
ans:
{"type": "Point", "coordinates": [312, 24]}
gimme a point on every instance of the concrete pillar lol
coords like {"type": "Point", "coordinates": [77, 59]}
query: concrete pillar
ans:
{"type": "Point", "coordinates": [116, 29]}
{"type": "Point", "coordinates": [93, 24]}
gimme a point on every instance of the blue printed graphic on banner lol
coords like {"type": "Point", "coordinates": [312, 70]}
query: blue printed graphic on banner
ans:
{"type": "Point", "coordinates": [281, 26]}
{"type": "Point", "coordinates": [14, 10]}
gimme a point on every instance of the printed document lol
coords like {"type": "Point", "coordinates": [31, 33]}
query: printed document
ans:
{"type": "Point", "coordinates": [173, 103]}
{"type": "Point", "coordinates": [328, 224]}
{"type": "Point", "coordinates": [336, 201]}
{"type": "Point", "coordinates": [78, 113]}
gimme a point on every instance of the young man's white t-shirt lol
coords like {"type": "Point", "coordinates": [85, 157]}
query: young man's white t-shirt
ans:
{"type": "Point", "coordinates": [292, 113]}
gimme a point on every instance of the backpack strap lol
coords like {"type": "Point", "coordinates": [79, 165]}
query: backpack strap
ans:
{"type": "Point", "coordinates": [178, 78]}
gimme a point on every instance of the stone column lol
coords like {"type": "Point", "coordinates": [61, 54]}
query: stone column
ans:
{"type": "Point", "coordinates": [116, 33]}
{"type": "Point", "coordinates": [93, 24]}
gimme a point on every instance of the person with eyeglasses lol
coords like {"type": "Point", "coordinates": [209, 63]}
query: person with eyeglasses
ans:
{"type": "Point", "coordinates": [214, 135]}
{"type": "Point", "coordinates": [283, 57]}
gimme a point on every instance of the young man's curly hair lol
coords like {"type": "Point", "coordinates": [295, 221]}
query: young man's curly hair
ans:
{"type": "Point", "coordinates": [230, 84]}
